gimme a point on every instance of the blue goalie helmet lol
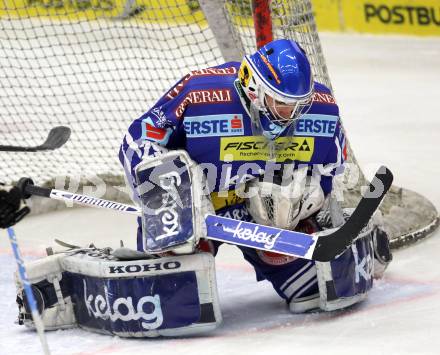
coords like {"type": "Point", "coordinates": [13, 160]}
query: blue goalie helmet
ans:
{"type": "Point", "coordinates": [278, 83]}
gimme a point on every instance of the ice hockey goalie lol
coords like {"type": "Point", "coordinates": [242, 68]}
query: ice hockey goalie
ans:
{"type": "Point", "coordinates": [255, 141]}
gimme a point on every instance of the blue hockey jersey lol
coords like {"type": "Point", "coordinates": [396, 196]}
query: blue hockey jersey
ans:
{"type": "Point", "coordinates": [204, 115]}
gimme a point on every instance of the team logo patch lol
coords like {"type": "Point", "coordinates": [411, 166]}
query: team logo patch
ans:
{"type": "Point", "coordinates": [316, 125]}
{"type": "Point", "coordinates": [214, 126]}
{"type": "Point", "coordinates": [161, 120]}
{"type": "Point", "coordinates": [153, 133]}
{"type": "Point", "coordinates": [256, 148]}
{"type": "Point", "coordinates": [275, 259]}
{"type": "Point", "coordinates": [244, 74]}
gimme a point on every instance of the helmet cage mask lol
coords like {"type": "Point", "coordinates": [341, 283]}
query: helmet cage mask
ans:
{"type": "Point", "coordinates": [271, 122]}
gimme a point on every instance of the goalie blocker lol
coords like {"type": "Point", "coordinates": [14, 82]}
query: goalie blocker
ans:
{"type": "Point", "coordinates": [92, 289]}
{"type": "Point", "coordinates": [174, 203]}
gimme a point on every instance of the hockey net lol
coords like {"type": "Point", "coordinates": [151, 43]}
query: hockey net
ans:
{"type": "Point", "coordinates": [95, 65]}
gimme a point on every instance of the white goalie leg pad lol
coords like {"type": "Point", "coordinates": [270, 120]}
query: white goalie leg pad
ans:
{"type": "Point", "coordinates": [174, 201]}
{"type": "Point", "coordinates": [170, 296]}
{"type": "Point", "coordinates": [333, 216]}
{"type": "Point", "coordinates": [304, 304]}
{"type": "Point", "coordinates": [92, 289]}
{"type": "Point", "coordinates": [49, 287]}
{"type": "Point", "coordinates": [284, 203]}
{"type": "Point", "coordinates": [348, 278]}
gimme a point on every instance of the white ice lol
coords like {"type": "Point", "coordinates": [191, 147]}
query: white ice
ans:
{"type": "Point", "coordinates": [387, 88]}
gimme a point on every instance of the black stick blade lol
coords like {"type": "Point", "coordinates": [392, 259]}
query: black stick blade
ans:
{"type": "Point", "coordinates": [57, 137]}
{"type": "Point", "coordinates": [332, 245]}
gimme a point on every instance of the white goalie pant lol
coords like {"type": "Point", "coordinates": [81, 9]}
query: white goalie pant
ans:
{"type": "Point", "coordinates": [170, 296]}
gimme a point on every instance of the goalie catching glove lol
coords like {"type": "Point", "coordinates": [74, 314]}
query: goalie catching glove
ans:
{"type": "Point", "coordinates": [285, 201]}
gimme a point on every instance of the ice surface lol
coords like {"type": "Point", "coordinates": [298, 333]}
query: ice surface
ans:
{"type": "Point", "coordinates": [387, 88]}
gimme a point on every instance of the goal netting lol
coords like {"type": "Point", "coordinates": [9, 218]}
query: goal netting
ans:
{"type": "Point", "coordinates": [95, 65]}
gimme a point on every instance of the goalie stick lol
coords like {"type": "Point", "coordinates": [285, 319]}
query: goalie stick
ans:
{"type": "Point", "coordinates": [30, 299]}
{"type": "Point", "coordinates": [321, 247]}
{"type": "Point", "coordinates": [55, 139]}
